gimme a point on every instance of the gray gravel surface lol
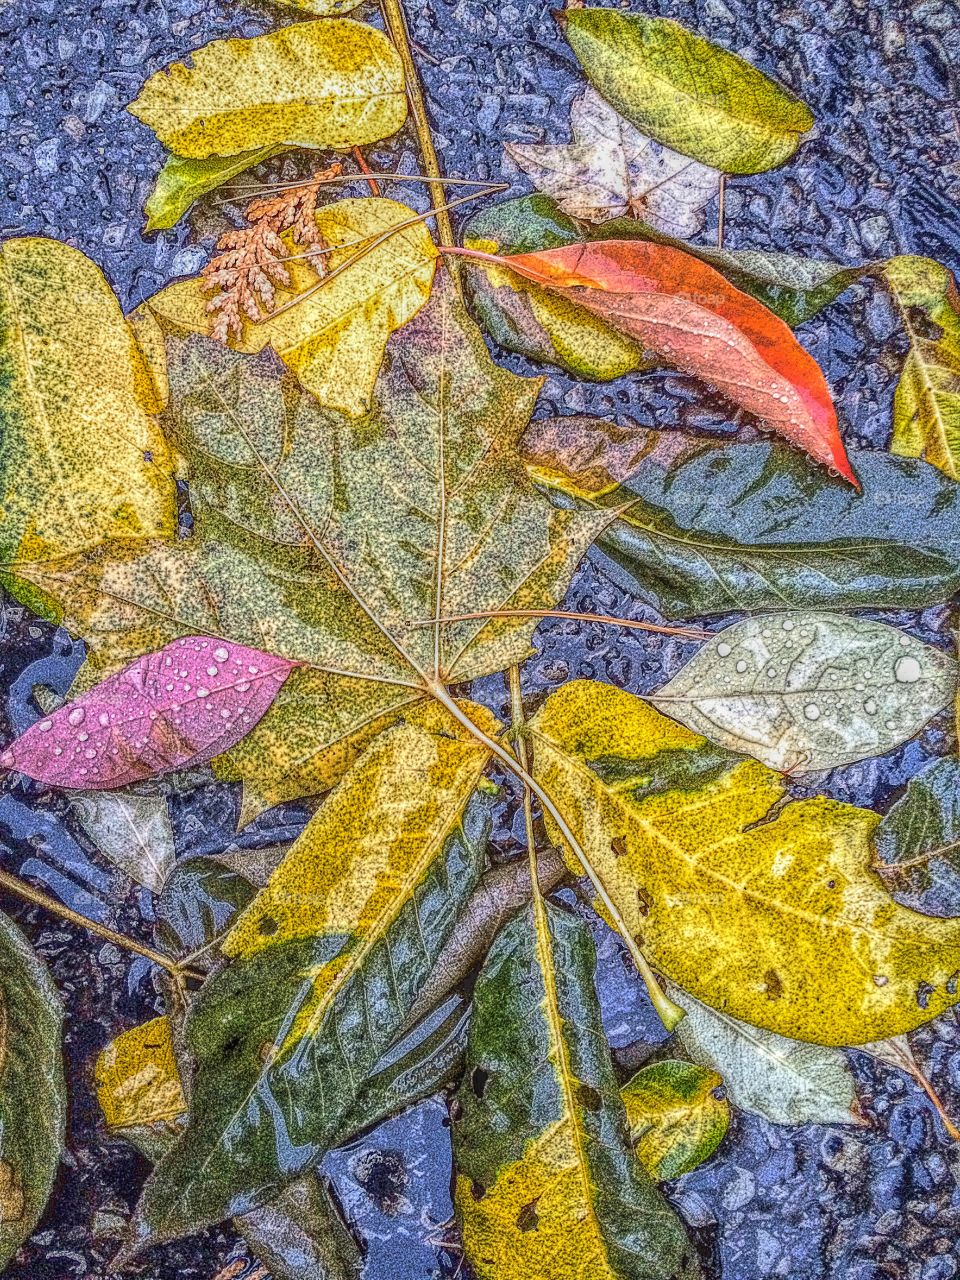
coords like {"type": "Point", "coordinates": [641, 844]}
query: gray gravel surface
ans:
{"type": "Point", "coordinates": [879, 176]}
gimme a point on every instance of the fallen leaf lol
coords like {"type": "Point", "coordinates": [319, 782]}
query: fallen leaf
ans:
{"type": "Point", "coordinates": [33, 1099]}
{"type": "Point", "coordinates": [810, 690]}
{"type": "Point", "coordinates": [764, 908]}
{"type": "Point", "coordinates": [783, 1080]}
{"type": "Point", "coordinates": [896, 1052]}
{"type": "Point", "coordinates": [313, 84]}
{"type": "Point", "coordinates": [132, 830]}
{"type": "Point", "coordinates": [319, 8]}
{"type": "Point", "coordinates": [687, 93]}
{"type": "Point", "coordinates": [688, 314]}
{"type": "Point", "coordinates": [611, 170]}
{"type": "Point", "coordinates": [81, 460]}
{"type": "Point", "coordinates": [168, 710]}
{"type": "Point", "coordinates": [710, 527]}
{"type": "Point", "coordinates": [136, 1077]}
{"type": "Point", "coordinates": [546, 1184]}
{"type": "Point", "coordinates": [351, 921]}
{"type": "Point", "coordinates": [198, 904]}
{"type": "Point", "coordinates": [678, 1115]}
{"type": "Point", "coordinates": [918, 841]}
{"type": "Point", "coordinates": [181, 183]}
{"type": "Point", "coordinates": [302, 1234]}
{"type": "Point", "coordinates": [926, 406]}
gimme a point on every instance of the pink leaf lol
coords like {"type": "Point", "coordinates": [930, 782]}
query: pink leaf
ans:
{"type": "Point", "coordinates": [181, 706]}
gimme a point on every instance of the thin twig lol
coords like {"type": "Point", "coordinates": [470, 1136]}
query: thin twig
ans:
{"type": "Point", "coordinates": [687, 633]}
{"type": "Point", "coordinates": [364, 168]}
{"type": "Point", "coordinates": [263, 188]}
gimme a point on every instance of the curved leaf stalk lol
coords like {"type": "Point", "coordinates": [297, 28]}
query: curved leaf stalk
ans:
{"type": "Point", "coordinates": [687, 633]}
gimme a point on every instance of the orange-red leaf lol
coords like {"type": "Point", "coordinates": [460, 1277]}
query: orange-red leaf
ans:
{"type": "Point", "coordinates": [687, 313]}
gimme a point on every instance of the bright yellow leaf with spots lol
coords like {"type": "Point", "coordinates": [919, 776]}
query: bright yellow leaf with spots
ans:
{"type": "Point", "coordinates": [334, 83]}
{"type": "Point", "coordinates": [332, 334]}
{"type": "Point", "coordinates": [82, 461]}
{"type": "Point", "coordinates": [765, 909]}
{"type": "Point", "coordinates": [137, 1078]}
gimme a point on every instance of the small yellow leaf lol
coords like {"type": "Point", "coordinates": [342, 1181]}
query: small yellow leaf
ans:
{"type": "Point", "coordinates": [314, 84]}
{"type": "Point", "coordinates": [137, 1078]}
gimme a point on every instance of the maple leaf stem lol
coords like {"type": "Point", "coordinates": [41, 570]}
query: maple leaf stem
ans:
{"type": "Point", "coordinates": [687, 633]}
{"type": "Point", "coordinates": [13, 884]}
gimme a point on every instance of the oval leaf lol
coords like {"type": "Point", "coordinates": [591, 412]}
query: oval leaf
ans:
{"type": "Point", "coordinates": [918, 843]}
{"type": "Point", "coordinates": [810, 690]}
{"type": "Point", "coordinates": [688, 314]}
{"type": "Point", "coordinates": [168, 710]}
{"type": "Point", "coordinates": [686, 92]}
{"type": "Point", "coordinates": [182, 182]}
{"type": "Point", "coordinates": [133, 831]}
{"type": "Point", "coordinates": [329, 83]}
{"type": "Point", "coordinates": [678, 1115]}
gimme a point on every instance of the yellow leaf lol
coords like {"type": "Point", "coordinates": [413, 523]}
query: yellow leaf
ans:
{"type": "Point", "coordinates": [137, 1078]}
{"type": "Point", "coordinates": [766, 910]}
{"type": "Point", "coordinates": [334, 83]}
{"type": "Point", "coordinates": [333, 339]}
{"type": "Point", "coordinates": [81, 460]}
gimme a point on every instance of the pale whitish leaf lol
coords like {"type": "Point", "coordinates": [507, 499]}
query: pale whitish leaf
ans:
{"type": "Point", "coordinates": [786, 1081]}
{"type": "Point", "coordinates": [132, 830]}
{"type": "Point", "coordinates": [611, 170]}
{"type": "Point", "coordinates": [810, 690]}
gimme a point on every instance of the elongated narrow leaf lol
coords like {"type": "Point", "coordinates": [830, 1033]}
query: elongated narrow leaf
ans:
{"type": "Point", "coordinates": [764, 909]}
{"type": "Point", "coordinates": [328, 959]}
{"type": "Point", "coordinates": [331, 335]}
{"type": "Point", "coordinates": [783, 1080]}
{"type": "Point", "coordinates": [33, 1102]}
{"type": "Point", "coordinates": [678, 1114]}
{"type": "Point", "coordinates": [168, 710]}
{"type": "Point", "coordinates": [686, 312]}
{"type": "Point", "coordinates": [707, 528]}
{"type": "Point", "coordinates": [182, 182]}
{"type": "Point", "coordinates": [686, 92]}
{"type": "Point", "coordinates": [926, 408]}
{"type": "Point", "coordinates": [546, 1182]}
{"type": "Point", "coordinates": [133, 831]}
{"type": "Point", "coordinates": [810, 690]}
{"type": "Point", "coordinates": [81, 460]}
{"type": "Point", "coordinates": [314, 84]}
{"type": "Point", "coordinates": [918, 842]}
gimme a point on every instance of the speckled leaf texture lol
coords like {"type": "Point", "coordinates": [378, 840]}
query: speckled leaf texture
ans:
{"type": "Point", "coordinates": [181, 182]}
{"type": "Point", "coordinates": [327, 961]}
{"type": "Point", "coordinates": [687, 93]}
{"type": "Point", "coordinates": [546, 1184]}
{"type": "Point", "coordinates": [334, 83]}
{"type": "Point", "coordinates": [918, 841]}
{"type": "Point", "coordinates": [810, 691]}
{"type": "Point", "coordinates": [33, 1100]}
{"type": "Point", "coordinates": [763, 908]}
{"type": "Point", "coordinates": [81, 460]}
{"type": "Point", "coordinates": [678, 1114]}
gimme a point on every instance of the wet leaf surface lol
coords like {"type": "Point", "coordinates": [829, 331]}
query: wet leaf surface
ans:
{"type": "Point", "coordinates": [918, 842]}
{"type": "Point", "coordinates": [678, 1115]}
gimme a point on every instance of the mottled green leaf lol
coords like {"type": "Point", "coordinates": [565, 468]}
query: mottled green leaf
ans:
{"type": "Point", "coordinates": [181, 183]}
{"type": "Point", "coordinates": [302, 1235]}
{"type": "Point", "coordinates": [686, 92]}
{"type": "Point", "coordinates": [198, 904]}
{"type": "Point", "coordinates": [918, 842]}
{"type": "Point", "coordinates": [678, 1115]}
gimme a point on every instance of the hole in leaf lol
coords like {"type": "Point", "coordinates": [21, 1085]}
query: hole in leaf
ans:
{"type": "Point", "coordinates": [589, 1098]}
{"type": "Point", "coordinates": [527, 1219]}
{"type": "Point", "coordinates": [644, 902]}
{"type": "Point", "coordinates": [478, 1081]}
{"type": "Point", "coordinates": [268, 926]}
{"type": "Point", "coordinates": [477, 1190]}
{"type": "Point", "coordinates": [618, 847]}
{"type": "Point", "coordinates": [719, 1093]}
{"type": "Point", "coordinates": [774, 984]}
{"type": "Point", "coordinates": [924, 992]}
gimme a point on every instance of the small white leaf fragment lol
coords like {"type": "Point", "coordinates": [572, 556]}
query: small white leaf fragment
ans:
{"type": "Point", "coordinates": [132, 831]}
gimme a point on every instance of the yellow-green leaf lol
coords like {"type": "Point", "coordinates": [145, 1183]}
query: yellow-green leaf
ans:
{"type": "Point", "coordinates": [181, 182]}
{"type": "Point", "coordinates": [313, 84]}
{"type": "Point", "coordinates": [926, 407]}
{"type": "Point", "coordinates": [677, 1114]}
{"type": "Point", "coordinates": [334, 337]}
{"type": "Point", "coordinates": [82, 461]}
{"type": "Point", "coordinates": [319, 8]}
{"type": "Point", "coordinates": [765, 909]}
{"type": "Point", "coordinates": [687, 93]}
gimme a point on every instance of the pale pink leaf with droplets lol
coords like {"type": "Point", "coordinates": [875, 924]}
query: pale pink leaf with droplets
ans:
{"type": "Point", "coordinates": [178, 707]}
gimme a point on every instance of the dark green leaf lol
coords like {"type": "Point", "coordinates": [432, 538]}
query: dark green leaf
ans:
{"type": "Point", "coordinates": [198, 903]}
{"type": "Point", "coordinates": [302, 1235]}
{"type": "Point", "coordinates": [918, 842]}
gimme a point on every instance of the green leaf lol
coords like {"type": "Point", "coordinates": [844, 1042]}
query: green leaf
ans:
{"type": "Point", "coordinates": [710, 528]}
{"type": "Point", "coordinates": [302, 1235]}
{"type": "Point", "coordinates": [327, 961]}
{"type": "Point", "coordinates": [546, 1183]}
{"type": "Point", "coordinates": [687, 93]}
{"type": "Point", "coordinates": [763, 907]}
{"type": "Point", "coordinates": [182, 182]}
{"type": "Point", "coordinates": [33, 1099]}
{"type": "Point", "coordinates": [918, 842]}
{"type": "Point", "coordinates": [198, 904]}
{"type": "Point", "coordinates": [678, 1115]}
{"type": "Point", "coordinates": [783, 1080]}
{"type": "Point", "coordinates": [810, 690]}
{"type": "Point", "coordinates": [926, 407]}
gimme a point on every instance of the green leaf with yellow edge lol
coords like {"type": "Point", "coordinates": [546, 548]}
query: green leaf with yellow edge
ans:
{"type": "Point", "coordinates": [678, 1115]}
{"type": "Point", "coordinates": [546, 1183]}
{"type": "Point", "coordinates": [181, 183]}
{"type": "Point", "coordinates": [82, 462]}
{"type": "Point", "coordinates": [926, 406]}
{"type": "Point", "coordinates": [327, 960]}
{"type": "Point", "coordinates": [333, 83]}
{"type": "Point", "coordinates": [763, 908]}
{"type": "Point", "coordinates": [33, 1100]}
{"type": "Point", "coordinates": [331, 334]}
{"type": "Point", "coordinates": [685, 92]}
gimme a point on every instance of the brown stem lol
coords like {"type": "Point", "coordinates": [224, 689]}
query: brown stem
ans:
{"type": "Point", "coordinates": [688, 633]}
{"type": "Point", "coordinates": [362, 165]}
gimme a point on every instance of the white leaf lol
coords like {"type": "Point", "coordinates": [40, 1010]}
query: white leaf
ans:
{"type": "Point", "coordinates": [132, 830]}
{"type": "Point", "coordinates": [810, 690]}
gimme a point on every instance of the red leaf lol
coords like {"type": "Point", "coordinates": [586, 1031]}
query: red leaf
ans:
{"type": "Point", "coordinates": [686, 312]}
{"type": "Point", "coordinates": [181, 706]}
